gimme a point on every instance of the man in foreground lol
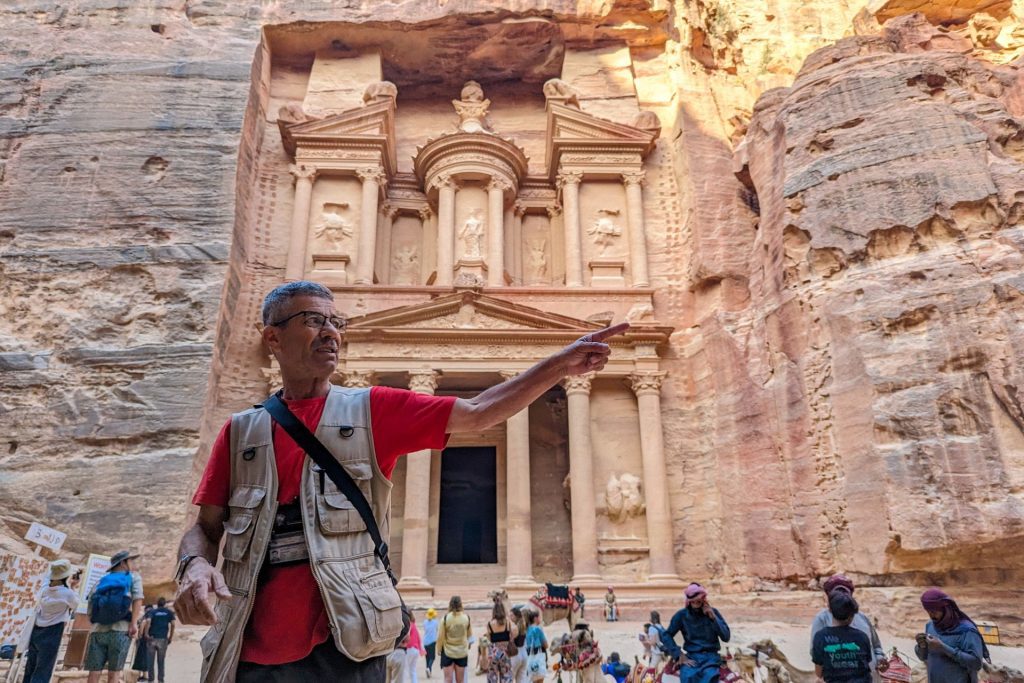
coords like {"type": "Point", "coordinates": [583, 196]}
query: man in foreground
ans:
{"type": "Point", "coordinates": [703, 630]}
{"type": "Point", "coordinates": [278, 612]}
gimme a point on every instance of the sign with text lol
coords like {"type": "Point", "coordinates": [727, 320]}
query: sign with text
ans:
{"type": "Point", "coordinates": [45, 536]}
{"type": "Point", "coordinates": [94, 570]}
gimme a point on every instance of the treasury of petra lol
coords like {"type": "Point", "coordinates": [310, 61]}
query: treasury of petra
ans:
{"type": "Point", "coordinates": [811, 213]}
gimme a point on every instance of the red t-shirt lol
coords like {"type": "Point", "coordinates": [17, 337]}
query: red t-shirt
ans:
{"type": "Point", "coordinates": [401, 422]}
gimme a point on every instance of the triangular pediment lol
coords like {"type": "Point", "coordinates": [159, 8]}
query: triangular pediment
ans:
{"type": "Point", "coordinates": [569, 122]}
{"type": "Point", "coordinates": [582, 141]}
{"type": "Point", "coordinates": [469, 311]}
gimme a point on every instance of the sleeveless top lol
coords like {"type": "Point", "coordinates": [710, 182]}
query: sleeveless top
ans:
{"type": "Point", "coordinates": [498, 636]}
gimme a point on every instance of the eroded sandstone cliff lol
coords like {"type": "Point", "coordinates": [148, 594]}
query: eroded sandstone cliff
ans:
{"type": "Point", "coordinates": [840, 256]}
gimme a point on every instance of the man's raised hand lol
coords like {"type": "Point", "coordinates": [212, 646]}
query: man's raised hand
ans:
{"type": "Point", "coordinates": [590, 353]}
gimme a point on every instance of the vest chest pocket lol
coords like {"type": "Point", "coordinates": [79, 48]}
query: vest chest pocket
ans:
{"type": "Point", "coordinates": [336, 513]}
{"type": "Point", "coordinates": [244, 506]}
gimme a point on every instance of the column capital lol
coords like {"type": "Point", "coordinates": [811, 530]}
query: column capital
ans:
{"type": "Point", "coordinates": [389, 211]}
{"type": "Point", "coordinates": [633, 177]}
{"type": "Point", "coordinates": [519, 209]}
{"type": "Point", "coordinates": [553, 210]}
{"type": "Point", "coordinates": [570, 178]}
{"type": "Point", "coordinates": [423, 381]}
{"type": "Point", "coordinates": [374, 173]}
{"type": "Point", "coordinates": [578, 384]}
{"type": "Point", "coordinates": [646, 382]}
{"type": "Point", "coordinates": [425, 213]}
{"type": "Point", "coordinates": [358, 379]}
{"type": "Point", "coordinates": [302, 171]}
{"type": "Point", "coordinates": [499, 184]}
{"type": "Point", "coordinates": [443, 180]}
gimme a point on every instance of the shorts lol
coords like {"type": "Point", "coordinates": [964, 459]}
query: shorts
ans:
{"type": "Point", "coordinates": [107, 650]}
{"type": "Point", "coordinates": [447, 661]}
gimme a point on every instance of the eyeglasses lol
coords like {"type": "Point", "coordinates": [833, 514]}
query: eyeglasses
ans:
{"type": "Point", "coordinates": [316, 320]}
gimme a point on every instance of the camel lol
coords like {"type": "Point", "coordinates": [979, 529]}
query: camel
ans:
{"type": "Point", "coordinates": [548, 615]}
{"type": "Point", "coordinates": [774, 666]}
{"type": "Point", "coordinates": [572, 648]}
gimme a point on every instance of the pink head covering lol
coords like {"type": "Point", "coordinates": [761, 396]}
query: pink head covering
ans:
{"type": "Point", "coordinates": [838, 581]}
{"type": "Point", "coordinates": [695, 590]}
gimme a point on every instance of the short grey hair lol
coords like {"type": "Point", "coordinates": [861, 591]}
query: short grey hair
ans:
{"type": "Point", "coordinates": [277, 300]}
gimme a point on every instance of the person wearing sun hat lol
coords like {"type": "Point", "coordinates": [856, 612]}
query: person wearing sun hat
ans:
{"type": "Point", "coordinates": [56, 603]}
{"type": "Point", "coordinates": [430, 638]}
{"type": "Point", "coordinates": [110, 639]}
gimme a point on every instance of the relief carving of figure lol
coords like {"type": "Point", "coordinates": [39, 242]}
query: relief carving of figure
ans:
{"type": "Point", "coordinates": [333, 227]}
{"type": "Point", "coordinates": [406, 265]}
{"type": "Point", "coordinates": [537, 255]}
{"type": "Point", "coordinates": [472, 234]}
{"type": "Point", "coordinates": [623, 498]}
{"type": "Point", "coordinates": [603, 230]}
{"type": "Point", "coordinates": [472, 109]}
{"type": "Point", "coordinates": [381, 90]}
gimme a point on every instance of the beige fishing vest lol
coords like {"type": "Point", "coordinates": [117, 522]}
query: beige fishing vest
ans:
{"type": "Point", "coordinates": [363, 607]}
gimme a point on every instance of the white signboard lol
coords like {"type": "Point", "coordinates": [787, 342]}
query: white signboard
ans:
{"type": "Point", "coordinates": [94, 570]}
{"type": "Point", "coordinates": [45, 536]}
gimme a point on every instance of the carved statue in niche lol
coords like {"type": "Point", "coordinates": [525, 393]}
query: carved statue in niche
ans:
{"type": "Point", "coordinates": [405, 265]}
{"type": "Point", "coordinates": [557, 90]}
{"type": "Point", "coordinates": [537, 258]}
{"type": "Point", "coordinates": [649, 121]}
{"type": "Point", "coordinates": [472, 109]}
{"type": "Point", "coordinates": [379, 91]}
{"type": "Point", "coordinates": [472, 235]}
{"type": "Point", "coordinates": [623, 498]}
{"type": "Point", "coordinates": [333, 227]}
{"type": "Point", "coordinates": [603, 230]}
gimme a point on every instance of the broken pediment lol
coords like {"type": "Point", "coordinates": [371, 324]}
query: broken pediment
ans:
{"type": "Point", "coordinates": [577, 139]}
{"type": "Point", "coordinates": [370, 126]}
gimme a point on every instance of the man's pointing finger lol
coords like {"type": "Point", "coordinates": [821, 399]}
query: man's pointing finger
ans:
{"type": "Point", "coordinates": [607, 332]}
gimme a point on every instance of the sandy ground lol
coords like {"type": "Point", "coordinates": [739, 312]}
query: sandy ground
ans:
{"type": "Point", "coordinates": [184, 658]}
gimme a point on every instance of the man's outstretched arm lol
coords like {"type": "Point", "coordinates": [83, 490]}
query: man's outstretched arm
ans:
{"type": "Point", "coordinates": [202, 582]}
{"type": "Point", "coordinates": [587, 354]}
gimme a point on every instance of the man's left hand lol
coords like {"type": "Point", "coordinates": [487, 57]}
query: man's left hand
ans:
{"type": "Point", "coordinates": [590, 353]}
{"type": "Point", "coordinates": [708, 612]}
{"type": "Point", "coordinates": [934, 643]}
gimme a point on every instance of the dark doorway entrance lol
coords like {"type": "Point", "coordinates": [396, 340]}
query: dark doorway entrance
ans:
{"type": "Point", "coordinates": [468, 519]}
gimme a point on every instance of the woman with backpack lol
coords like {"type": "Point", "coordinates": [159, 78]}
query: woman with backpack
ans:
{"type": "Point", "coordinates": [453, 641]}
{"type": "Point", "coordinates": [56, 603]}
{"type": "Point", "coordinates": [502, 633]}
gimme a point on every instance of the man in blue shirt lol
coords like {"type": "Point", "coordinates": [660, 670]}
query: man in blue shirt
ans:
{"type": "Point", "coordinates": [703, 630]}
{"type": "Point", "coordinates": [159, 626]}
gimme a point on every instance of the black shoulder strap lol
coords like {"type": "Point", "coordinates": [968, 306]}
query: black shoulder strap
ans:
{"type": "Point", "coordinates": [333, 469]}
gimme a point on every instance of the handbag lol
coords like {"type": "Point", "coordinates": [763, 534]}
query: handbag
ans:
{"type": "Point", "coordinates": [319, 454]}
{"type": "Point", "coordinates": [512, 648]}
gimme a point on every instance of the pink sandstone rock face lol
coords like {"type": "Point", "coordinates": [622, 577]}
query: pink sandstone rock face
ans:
{"type": "Point", "coordinates": [840, 255]}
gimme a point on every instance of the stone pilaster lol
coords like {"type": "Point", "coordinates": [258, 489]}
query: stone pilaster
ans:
{"type": "Point", "coordinates": [581, 480]}
{"type": "Point", "coordinates": [295, 268]}
{"type": "Point", "coordinates": [496, 232]}
{"type": "Point", "coordinates": [647, 387]}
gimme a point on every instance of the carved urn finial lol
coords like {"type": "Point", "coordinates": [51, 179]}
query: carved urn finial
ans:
{"type": "Point", "coordinates": [472, 109]}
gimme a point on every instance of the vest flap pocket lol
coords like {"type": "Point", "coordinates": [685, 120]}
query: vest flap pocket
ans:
{"type": "Point", "coordinates": [237, 524]}
{"type": "Point", "coordinates": [382, 607]}
{"type": "Point", "coordinates": [337, 515]}
{"type": "Point", "coordinates": [382, 593]}
{"type": "Point", "coordinates": [247, 496]}
{"type": "Point", "coordinates": [338, 501]}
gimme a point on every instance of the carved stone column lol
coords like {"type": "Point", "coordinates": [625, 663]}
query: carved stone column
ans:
{"type": "Point", "coordinates": [389, 213]}
{"type": "Point", "coordinates": [647, 386]}
{"type": "Point", "coordinates": [519, 566]}
{"type": "Point", "coordinates": [358, 379]}
{"type": "Point", "coordinates": [415, 542]}
{"type": "Point", "coordinates": [518, 270]}
{"type": "Point", "coordinates": [496, 232]}
{"type": "Point", "coordinates": [581, 480]}
{"type": "Point", "coordinates": [570, 182]}
{"type": "Point", "coordinates": [633, 181]}
{"type": "Point", "coordinates": [372, 179]}
{"type": "Point", "coordinates": [446, 188]}
{"type": "Point", "coordinates": [295, 268]}
{"type": "Point", "coordinates": [426, 214]}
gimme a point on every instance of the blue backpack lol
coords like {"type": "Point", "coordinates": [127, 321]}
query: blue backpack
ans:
{"type": "Point", "coordinates": [111, 600]}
